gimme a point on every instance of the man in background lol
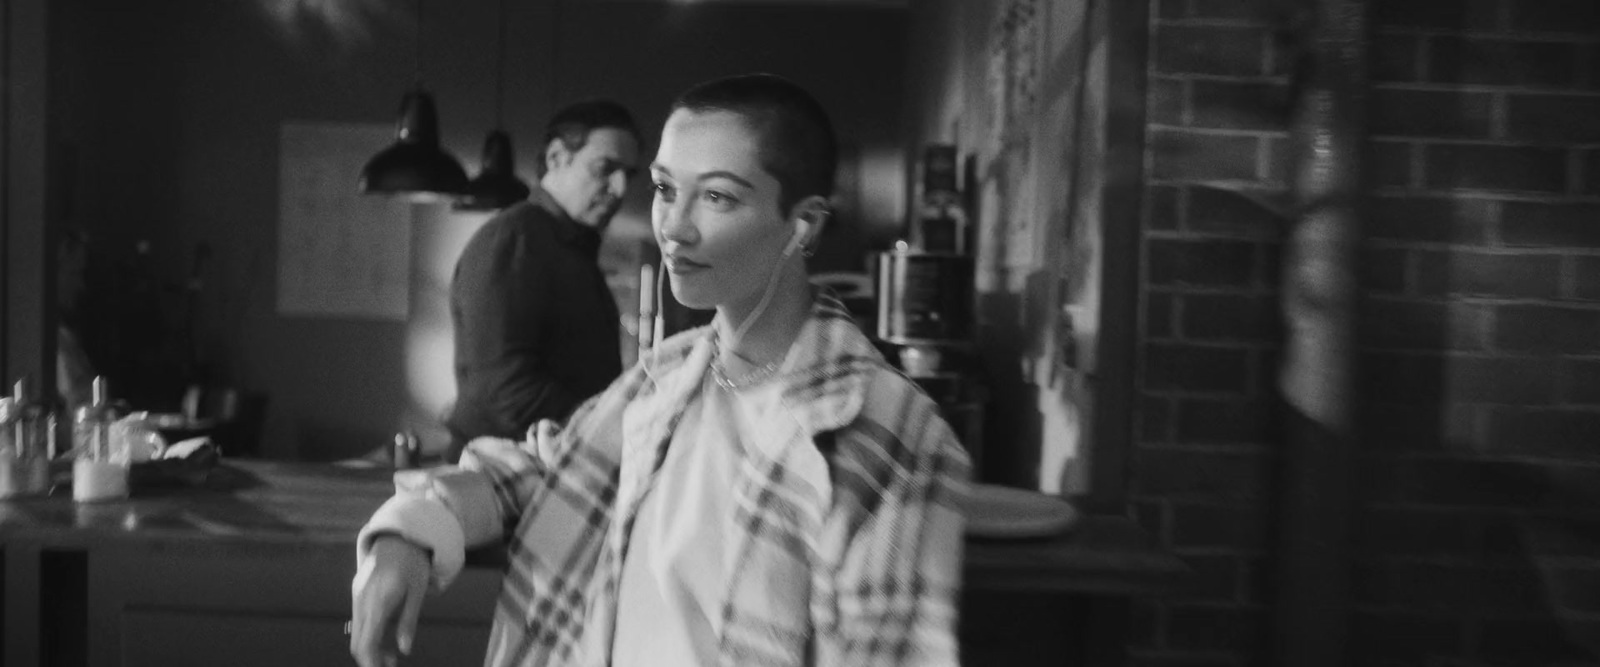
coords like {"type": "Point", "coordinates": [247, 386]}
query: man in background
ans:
{"type": "Point", "coordinates": [536, 327]}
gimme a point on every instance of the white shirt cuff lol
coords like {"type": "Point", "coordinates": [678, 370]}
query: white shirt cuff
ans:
{"type": "Point", "coordinates": [423, 521]}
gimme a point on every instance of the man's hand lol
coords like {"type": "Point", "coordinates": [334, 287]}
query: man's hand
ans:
{"type": "Point", "coordinates": [385, 600]}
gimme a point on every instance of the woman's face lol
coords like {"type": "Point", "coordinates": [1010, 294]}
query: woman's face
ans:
{"type": "Point", "coordinates": [716, 211]}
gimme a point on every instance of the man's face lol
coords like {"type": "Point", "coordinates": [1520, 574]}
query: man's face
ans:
{"type": "Point", "coordinates": [589, 184]}
{"type": "Point", "coordinates": [715, 211]}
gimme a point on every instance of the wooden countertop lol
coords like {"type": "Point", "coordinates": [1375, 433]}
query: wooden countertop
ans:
{"type": "Point", "coordinates": [322, 506]}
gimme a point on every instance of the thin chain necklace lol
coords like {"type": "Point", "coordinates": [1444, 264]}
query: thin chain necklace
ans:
{"type": "Point", "coordinates": [748, 379]}
{"type": "Point", "coordinates": [754, 377]}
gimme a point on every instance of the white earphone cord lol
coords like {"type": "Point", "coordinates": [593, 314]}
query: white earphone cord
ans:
{"type": "Point", "coordinates": [766, 295]}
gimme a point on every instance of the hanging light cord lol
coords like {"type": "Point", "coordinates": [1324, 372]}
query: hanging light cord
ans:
{"type": "Point", "coordinates": [555, 54]}
{"type": "Point", "coordinates": [500, 69]}
{"type": "Point", "coordinates": [418, 55]}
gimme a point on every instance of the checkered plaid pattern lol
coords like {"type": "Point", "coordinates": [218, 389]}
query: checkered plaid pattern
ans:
{"type": "Point", "coordinates": [849, 550]}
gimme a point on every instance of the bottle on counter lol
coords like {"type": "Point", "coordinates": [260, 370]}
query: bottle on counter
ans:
{"type": "Point", "coordinates": [407, 450]}
{"type": "Point", "coordinates": [101, 470]}
{"type": "Point", "coordinates": [27, 441]}
{"type": "Point", "coordinates": [941, 222]}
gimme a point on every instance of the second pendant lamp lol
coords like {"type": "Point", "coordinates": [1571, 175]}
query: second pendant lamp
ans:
{"type": "Point", "coordinates": [496, 185]}
{"type": "Point", "coordinates": [415, 165]}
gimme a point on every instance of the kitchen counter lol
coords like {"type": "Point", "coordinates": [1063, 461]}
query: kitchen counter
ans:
{"type": "Point", "coordinates": [264, 550]}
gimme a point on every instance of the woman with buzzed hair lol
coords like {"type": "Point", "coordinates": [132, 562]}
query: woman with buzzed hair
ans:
{"type": "Point", "coordinates": [764, 490]}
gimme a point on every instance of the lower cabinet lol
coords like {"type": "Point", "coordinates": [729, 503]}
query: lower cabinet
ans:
{"type": "Point", "coordinates": [248, 605]}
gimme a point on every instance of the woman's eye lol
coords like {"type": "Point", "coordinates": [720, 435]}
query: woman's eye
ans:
{"type": "Point", "coordinates": [721, 200]}
{"type": "Point", "coordinates": [664, 191]}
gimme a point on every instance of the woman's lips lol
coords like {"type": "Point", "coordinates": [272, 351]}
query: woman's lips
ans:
{"type": "Point", "coordinates": [682, 266]}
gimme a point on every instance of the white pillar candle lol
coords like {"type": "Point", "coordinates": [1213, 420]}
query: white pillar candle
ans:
{"type": "Point", "coordinates": [98, 480]}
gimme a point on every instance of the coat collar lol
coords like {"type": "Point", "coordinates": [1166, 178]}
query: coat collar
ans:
{"type": "Point", "coordinates": [569, 231]}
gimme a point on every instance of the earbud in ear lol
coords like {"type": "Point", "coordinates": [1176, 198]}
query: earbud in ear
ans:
{"type": "Point", "coordinates": [794, 241]}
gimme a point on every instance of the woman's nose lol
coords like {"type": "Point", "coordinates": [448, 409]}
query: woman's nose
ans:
{"type": "Point", "coordinates": [677, 225]}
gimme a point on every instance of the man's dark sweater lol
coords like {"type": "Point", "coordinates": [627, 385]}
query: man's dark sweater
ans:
{"type": "Point", "coordinates": [536, 328]}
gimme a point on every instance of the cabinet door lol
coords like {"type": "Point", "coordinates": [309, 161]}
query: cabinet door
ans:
{"type": "Point", "coordinates": [246, 605]}
{"type": "Point", "coordinates": [245, 639]}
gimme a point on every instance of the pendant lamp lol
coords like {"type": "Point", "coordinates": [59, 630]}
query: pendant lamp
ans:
{"type": "Point", "coordinates": [415, 165]}
{"type": "Point", "coordinates": [496, 185]}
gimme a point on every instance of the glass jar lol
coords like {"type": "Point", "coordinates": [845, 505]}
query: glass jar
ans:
{"type": "Point", "coordinates": [27, 434]}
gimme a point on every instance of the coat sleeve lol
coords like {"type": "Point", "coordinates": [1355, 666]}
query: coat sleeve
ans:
{"type": "Point", "coordinates": [502, 293]}
{"type": "Point", "coordinates": [450, 509]}
{"type": "Point", "coordinates": [895, 576]}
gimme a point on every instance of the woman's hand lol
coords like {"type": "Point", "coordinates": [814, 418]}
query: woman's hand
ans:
{"type": "Point", "coordinates": [544, 440]}
{"type": "Point", "coordinates": [385, 600]}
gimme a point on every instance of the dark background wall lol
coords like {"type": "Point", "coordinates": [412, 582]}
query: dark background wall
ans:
{"type": "Point", "coordinates": [1477, 539]}
{"type": "Point", "coordinates": [1020, 89]}
{"type": "Point", "coordinates": [169, 115]}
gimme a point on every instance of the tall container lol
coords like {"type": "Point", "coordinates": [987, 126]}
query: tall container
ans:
{"type": "Point", "coordinates": [924, 298]}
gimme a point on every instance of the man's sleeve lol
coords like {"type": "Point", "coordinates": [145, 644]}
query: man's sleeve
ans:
{"type": "Point", "coordinates": [895, 587]}
{"type": "Point", "coordinates": [504, 294]}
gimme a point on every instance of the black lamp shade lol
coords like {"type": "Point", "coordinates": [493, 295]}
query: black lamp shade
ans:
{"type": "Point", "coordinates": [415, 164]}
{"type": "Point", "coordinates": [496, 185]}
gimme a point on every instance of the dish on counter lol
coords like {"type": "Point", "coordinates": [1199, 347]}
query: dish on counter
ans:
{"type": "Point", "coordinates": [1007, 512]}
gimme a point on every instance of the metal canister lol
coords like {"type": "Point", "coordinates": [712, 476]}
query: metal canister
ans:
{"type": "Point", "coordinates": [924, 298]}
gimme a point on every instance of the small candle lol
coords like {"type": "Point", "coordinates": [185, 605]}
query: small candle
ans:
{"type": "Point", "coordinates": [98, 480]}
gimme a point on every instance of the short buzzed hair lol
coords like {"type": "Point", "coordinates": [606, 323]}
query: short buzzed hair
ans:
{"type": "Point", "coordinates": [572, 125]}
{"type": "Point", "coordinates": [798, 146]}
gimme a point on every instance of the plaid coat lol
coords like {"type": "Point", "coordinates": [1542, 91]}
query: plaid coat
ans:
{"type": "Point", "coordinates": [848, 548]}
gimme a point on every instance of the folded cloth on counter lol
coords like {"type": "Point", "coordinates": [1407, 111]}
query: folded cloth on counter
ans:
{"type": "Point", "coordinates": [184, 463]}
{"type": "Point", "coordinates": [191, 448]}
{"type": "Point", "coordinates": [139, 437]}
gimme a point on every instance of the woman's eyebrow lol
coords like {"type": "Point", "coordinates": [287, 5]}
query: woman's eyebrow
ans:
{"type": "Point", "coordinates": [727, 175]}
{"type": "Point", "coordinates": [658, 168]}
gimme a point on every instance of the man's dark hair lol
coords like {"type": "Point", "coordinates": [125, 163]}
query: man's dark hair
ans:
{"type": "Point", "coordinates": [798, 146]}
{"type": "Point", "coordinates": [572, 125]}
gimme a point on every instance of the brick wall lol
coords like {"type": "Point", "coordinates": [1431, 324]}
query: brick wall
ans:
{"type": "Point", "coordinates": [1478, 539]}
{"type": "Point", "coordinates": [1211, 332]}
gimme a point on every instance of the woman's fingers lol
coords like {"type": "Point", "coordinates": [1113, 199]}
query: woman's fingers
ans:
{"type": "Point", "coordinates": [366, 635]}
{"type": "Point", "coordinates": [378, 593]}
{"type": "Point", "coordinates": [386, 601]}
{"type": "Point", "coordinates": [407, 628]}
{"type": "Point", "coordinates": [361, 616]}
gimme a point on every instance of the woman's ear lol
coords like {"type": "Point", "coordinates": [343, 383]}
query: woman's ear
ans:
{"type": "Point", "coordinates": [813, 212]}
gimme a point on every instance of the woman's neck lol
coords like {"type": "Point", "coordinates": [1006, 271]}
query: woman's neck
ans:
{"type": "Point", "coordinates": [767, 339]}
